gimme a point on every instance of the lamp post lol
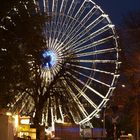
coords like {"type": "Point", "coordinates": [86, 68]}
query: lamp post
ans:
{"type": "Point", "coordinates": [114, 122]}
{"type": "Point", "coordinates": [104, 122]}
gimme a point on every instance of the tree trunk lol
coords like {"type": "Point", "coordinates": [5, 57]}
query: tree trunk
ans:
{"type": "Point", "coordinates": [38, 119]}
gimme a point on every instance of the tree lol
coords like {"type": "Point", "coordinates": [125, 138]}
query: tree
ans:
{"type": "Point", "coordinates": [128, 95]}
{"type": "Point", "coordinates": [21, 43]}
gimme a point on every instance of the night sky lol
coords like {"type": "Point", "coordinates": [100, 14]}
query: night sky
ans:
{"type": "Point", "coordinates": [116, 9]}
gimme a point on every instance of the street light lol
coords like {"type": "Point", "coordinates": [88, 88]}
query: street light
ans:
{"type": "Point", "coordinates": [123, 86]}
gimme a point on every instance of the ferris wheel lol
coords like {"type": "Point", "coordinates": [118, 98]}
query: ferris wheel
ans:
{"type": "Point", "coordinates": [80, 61]}
{"type": "Point", "coordinates": [82, 36]}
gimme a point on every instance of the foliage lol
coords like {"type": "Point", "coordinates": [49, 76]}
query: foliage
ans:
{"type": "Point", "coordinates": [21, 42]}
{"type": "Point", "coordinates": [127, 97]}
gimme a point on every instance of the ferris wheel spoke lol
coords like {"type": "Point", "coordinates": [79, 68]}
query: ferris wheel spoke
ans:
{"type": "Point", "coordinates": [102, 71]}
{"type": "Point", "coordinates": [54, 6]}
{"type": "Point", "coordinates": [52, 24]}
{"type": "Point", "coordinates": [74, 34]}
{"type": "Point", "coordinates": [26, 100]}
{"type": "Point", "coordinates": [81, 93]}
{"type": "Point", "coordinates": [71, 111]}
{"type": "Point", "coordinates": [77, 35]}
{"type": "Point", "coordinates": [89, 15]}
{"type": "Point", "coordinates": [60, 23]}
{"type": "Point", "coordinates": [91, 78]}
{"type": "Point", "coordinates": [43, 5]}
{"type": "Point", "coordinates": [70, 13]}
{"type": "Point", "coordinates": [87, 86]}
{"type": "Point", "coordinates": [19, 97]}
{"type": "Point", "coordinates": [80, 10]}
{"type": "Point", "coordinates": [71, 24]}
{"type": "Point", "coordinates": [77, 16]}
{"type": "Point", "coordinates": [66, 22]}
{"type": "Point", "coordinates": [95, 61]}
{"type": "Point", "coordinates": [61, 113]}
{"type": "Point", "coordinates": [47, 27]}
{"type": "Point", "coordinates": [92, 35]}
{"type": "Point", "coordinates": [80, 105]}
{"type": "Point", "coordinates": [104, 51]}
{"type": "Point", "coordinates": [93, 44]}
{"type": "Point", "coordinates": [76, 47]}
{"type": "Point", "coordinates": [29, 106]}
{"type": "Point", "coordinates": [54, 18]}
{"type": "Point", "coordinates": [93, 69]}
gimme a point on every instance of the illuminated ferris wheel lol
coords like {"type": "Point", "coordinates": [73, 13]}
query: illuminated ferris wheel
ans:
{"type": "Point", "coordinates": [82, 36]}
{"type": "Point", "coordinates": [80, 61]}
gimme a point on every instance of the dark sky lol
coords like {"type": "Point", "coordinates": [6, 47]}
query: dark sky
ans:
{"type": "Point", "coordinates": [117, 8]}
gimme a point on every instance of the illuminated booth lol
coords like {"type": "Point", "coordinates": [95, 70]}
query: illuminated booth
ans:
{"type": "Point", "coordinates": [24, 130]}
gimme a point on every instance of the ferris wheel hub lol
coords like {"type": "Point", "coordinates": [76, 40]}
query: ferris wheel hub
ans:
{"type": "Point", "coordinates": [49, 59]}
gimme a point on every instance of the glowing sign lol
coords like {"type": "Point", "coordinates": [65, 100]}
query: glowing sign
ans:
{"type": "Point", "coordinates": [24, 121]}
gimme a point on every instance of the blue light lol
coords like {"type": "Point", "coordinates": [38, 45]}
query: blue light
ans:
{"type": "Point", "coordinates": [49, 59]}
